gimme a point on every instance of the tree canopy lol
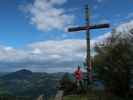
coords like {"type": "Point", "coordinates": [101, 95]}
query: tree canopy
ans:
{"type": "Point", "coordinates": [113, 63]}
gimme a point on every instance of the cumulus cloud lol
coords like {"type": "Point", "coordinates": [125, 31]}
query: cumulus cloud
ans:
{"type": "Point", "coordinates": [125, 27]}
{"type": "Point", "coordinates": [61, 50]}
{"type": "Point", "coordinates": [47, 56]}
{"type": "Point", "coordinates": [47, 15]}
{"type": "Point", "coordinates": [52, 55]}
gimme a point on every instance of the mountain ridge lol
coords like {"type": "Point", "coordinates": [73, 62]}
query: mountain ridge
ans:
{"type": "Point", "coordinates": [27, 83]}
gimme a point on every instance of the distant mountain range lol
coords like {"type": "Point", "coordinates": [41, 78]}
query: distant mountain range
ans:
{"type": "Point", "coordinates": [27, 83]}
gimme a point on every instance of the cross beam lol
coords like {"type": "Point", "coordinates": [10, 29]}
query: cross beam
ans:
{"type": "Point", "coordinates": [87, 28]}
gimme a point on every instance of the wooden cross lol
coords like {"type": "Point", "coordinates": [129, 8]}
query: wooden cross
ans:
{"type": "Point", "coordinates": [87, 28]}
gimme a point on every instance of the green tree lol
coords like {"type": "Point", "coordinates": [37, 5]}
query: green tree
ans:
{"type": "Point", "coordinates": [68, 85]}
{"type": "Point", "coordinates": [113, 61]}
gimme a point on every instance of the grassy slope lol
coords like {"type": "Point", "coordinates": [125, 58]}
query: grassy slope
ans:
{"type": "Point", "coordinates": [88, 96]}
{"type": "Point", "coordinates": [75, 97]}
{"type": "Point", "coordinates": [95, 96]}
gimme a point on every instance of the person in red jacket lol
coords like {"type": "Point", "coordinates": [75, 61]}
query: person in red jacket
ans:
{"type": "Point", "coordinates": [79, 76]}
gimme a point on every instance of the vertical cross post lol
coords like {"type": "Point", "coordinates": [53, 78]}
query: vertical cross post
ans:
{"type": "Point", "coordinates": [88, 55]}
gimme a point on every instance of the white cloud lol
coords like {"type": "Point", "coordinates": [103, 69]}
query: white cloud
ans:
{"type": "Point", "coordinates": [64, 50]}
{"type": "Point", "coordinates": [46, 55]}
{"type": "Point", "coordinates": [42, 55]}
{"type": "Point", "coordinates": [47, 15]}
{"type": "Point", "coordinates": [36, 51]}
{"type": "Point", "coordinates": [100, 39]}
{"type": "Point", "coordinates": [52, 54]}
{"type": "Point", "coordinates": [125, 27]}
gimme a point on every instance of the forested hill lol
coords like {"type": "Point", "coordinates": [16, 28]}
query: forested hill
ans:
{"type": "Point", "coordinates": [27, 83]}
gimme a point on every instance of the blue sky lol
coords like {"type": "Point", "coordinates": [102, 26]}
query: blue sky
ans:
{"type": "Point", "coordinates": [28, 27]}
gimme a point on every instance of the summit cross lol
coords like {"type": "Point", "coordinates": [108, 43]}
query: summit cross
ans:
{"type": "Point", "coordinates": [87, 27]}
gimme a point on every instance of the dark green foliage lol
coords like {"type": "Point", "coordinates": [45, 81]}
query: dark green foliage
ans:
{"type": "Point", "coordinates": [68, 85]}
{"type": "Point", "coordinates": [113, 63]}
